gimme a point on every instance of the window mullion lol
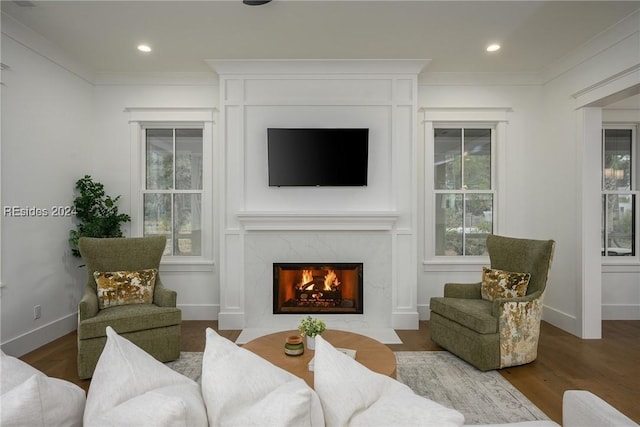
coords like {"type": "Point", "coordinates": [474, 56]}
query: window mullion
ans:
{"type": "Point", "coordinates": [173, 147]}
{"type": "Point", "coordinates": [462, 180]}
{"type": "Point", "coordinates": [464, 192]}
{"type": "Point", "coordinates": [605, 225]}
{"type": "Point", "coordinates": [602, 159]}
{"type": "Point", "coordinates": [634, 154]}
{"type": "Point", "coordinates": [173, 195]}
{"type": "Point", "coordinates": [464, 223]}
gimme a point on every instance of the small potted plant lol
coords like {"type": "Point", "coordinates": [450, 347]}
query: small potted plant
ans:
{"type": "Point", "coordinates": [309, 328]}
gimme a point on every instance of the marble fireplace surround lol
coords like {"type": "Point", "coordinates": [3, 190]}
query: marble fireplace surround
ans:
{"type": "Point", "coordinates": [319, 238]}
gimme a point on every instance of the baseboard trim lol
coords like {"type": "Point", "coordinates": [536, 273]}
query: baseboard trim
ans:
{"type": "Point", "coordinates": [620, 312]}
{"type": "Point", "coordinates": [231, 321]}
{"type": "Point", "coordinates": [402, 320]}
{"type": "Point", "coordinates": [36, 338]}
{"type": "Point", "coordinates": [424, 311]}
{"type": "Point", "coordinates": [560, 319]}
{"type": "Point", "coordinates": [199, 311]}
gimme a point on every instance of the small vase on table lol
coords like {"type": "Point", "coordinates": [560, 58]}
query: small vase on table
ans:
{"type": "Point", "coordinates": [311, 342]}
{"type": "Point", "coordinates": [309, 328]}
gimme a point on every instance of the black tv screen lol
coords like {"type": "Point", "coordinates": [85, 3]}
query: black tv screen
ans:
{"type": "Point", "coordinates": [317, 157]}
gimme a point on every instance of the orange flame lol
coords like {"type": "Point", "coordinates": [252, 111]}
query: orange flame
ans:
{"type": "Point", "coordinates": [307, 276]}
{"type": "Point", "coordinates": [331, 280]}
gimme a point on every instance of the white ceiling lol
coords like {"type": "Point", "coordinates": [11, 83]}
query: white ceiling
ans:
{"type": "Point", "coordinates": [103, 35]}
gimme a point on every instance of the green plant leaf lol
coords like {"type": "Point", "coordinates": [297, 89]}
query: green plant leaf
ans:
{"type": "Point", "coordinates": [96, 213]}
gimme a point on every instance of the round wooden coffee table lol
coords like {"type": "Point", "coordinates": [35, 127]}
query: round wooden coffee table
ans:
{"type": "Point", "coordinates": [371, 353]}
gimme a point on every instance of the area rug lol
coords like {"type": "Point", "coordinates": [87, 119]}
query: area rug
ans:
{"type": "Point", "coordinates": [483, 397]}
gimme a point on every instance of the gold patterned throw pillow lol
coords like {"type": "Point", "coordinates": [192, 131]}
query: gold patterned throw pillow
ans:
{"type": "Point", "coordinates": [125, 287]}
{"type": "Point", "coordinates": [503, 284]}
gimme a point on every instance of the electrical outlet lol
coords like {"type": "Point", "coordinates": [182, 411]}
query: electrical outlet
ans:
{"type": "Point", "coordinates": [37, 312]}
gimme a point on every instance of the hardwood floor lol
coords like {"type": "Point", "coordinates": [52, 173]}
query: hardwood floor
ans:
{"type": "Point", "coordinates": [609, 367]}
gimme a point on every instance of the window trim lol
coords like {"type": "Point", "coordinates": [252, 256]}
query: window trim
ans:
{"type": "Point", "coordinates": [635, 181]}
{"type": "Point", "coordinates": [143, 118]}
{"type": "Point", "coordinates": [497, 120]}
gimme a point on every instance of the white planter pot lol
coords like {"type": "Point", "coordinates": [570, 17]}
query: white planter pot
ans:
{"type": "Point", "coordinates": [311, 343]}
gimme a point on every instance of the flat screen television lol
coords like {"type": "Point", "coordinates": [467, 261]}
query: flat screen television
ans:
{"type": "Point", "coordinates": [317, 157]}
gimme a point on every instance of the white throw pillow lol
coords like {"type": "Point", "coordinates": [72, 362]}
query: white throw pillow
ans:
{"type": "Point", "coordinates": [353, 395]}
{"type": "Point", "coordinates": [243, 389]}
{"type": "Point", "coordinates": [131, 388]}
{"type": "Point", "coordinates": [30, 398]}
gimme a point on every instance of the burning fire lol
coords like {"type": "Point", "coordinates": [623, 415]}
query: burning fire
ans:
{"type": "Point", "coordinates": [307, 276]}
{"type": "Point", "coordinates": [308, 282]}
{"type": "Point", "coordinates": [331, 280]}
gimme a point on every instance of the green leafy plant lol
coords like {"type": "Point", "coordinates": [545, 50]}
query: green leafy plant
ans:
{"type": "Point", "coordinates": [96, 213]}
{"type": "Point", "coordinates": [311, 327]}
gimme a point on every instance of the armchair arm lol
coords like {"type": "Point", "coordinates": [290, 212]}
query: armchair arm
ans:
{"type": "Point", "coordinates": [88, 305]}
{"type": "Point", "coordinates": [499, 304]}
{"type": "Point", "coordinates": [462, 290]}
{"type": "Point", "coordinates": [519, 328]}
{"type": "Point", "coordinates": [164, 297]}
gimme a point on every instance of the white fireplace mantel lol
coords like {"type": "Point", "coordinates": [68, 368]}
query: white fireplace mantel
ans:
{"type": "Point", "coordinates": [376, 224]}
{"type": "Point", "coordinates": [318, 221]}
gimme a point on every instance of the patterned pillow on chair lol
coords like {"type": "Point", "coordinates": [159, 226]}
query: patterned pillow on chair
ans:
{"type": "Point", "coordinates": [125, 287]}
{"type": "Point", "coordinates": [503, 284]}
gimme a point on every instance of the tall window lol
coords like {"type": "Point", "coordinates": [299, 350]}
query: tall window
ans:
{"type": "Point", "coordinates": [173, 188]}
{"type": "Point", "coordinates": [618, 195]}
{"type": "Point", "coordinates": [464, 190]}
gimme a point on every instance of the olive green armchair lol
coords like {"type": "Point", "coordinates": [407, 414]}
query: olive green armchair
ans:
{"type": "Point", "coordinates": [502, 332]}
{"type": "Point", "coordinates": [152, 322]}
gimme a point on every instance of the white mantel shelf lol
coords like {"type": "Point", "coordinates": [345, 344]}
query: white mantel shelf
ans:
{"type": "Point", "coordinates": [318, 221]}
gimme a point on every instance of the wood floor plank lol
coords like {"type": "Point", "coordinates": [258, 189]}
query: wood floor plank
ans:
{"type": "Point", "coordinates": [609, 367]}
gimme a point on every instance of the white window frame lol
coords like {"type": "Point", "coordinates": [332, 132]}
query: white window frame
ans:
{"type": "Point", "coordinates": [497, 120]}
{"type": "Point", "coordinates": [635, 180]}
{"type": "Point", "coordinates": [144, 118]}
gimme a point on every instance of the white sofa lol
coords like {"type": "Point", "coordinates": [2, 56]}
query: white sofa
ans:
{"type": "Point", "coordinates": [131, 388]}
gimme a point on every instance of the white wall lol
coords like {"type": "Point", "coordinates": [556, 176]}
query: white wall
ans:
{"type": "Point", "coordinates": [197, 286]}
{"type": "Point", "coordinates": [519, 170]}
{"type": "Point", "coordinates": [545, 173]}
{"type": "Point", "coordinates": [46, 133]}
{"type": "Point", "coordinates": [598, 70]}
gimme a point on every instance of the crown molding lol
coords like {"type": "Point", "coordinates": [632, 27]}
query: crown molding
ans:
{"type": "Point", "coordinates": [318, 66]}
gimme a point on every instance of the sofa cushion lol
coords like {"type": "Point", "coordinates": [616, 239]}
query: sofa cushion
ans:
{"type": "Point", "coordinates": [30, 398]}
{"type": "Point", "coordinates": [353, 395]}
{"type": "Point", "coordinates": [503, 284]}
{"type": "Point", "coordinates": [131, 388]}
{"type": "Point", "coordinates": [128, 318]}
{"type": "Point", "coordinates": [125, 287]}
{"type": "Point", "coordinates": [581, 408]}
{"type": "Point", "coordinates": [474, 314]}
{"type": "Point", "coordinates": [242, 389]}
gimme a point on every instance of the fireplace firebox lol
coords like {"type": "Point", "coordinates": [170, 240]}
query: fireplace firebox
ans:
{"type": "Point", "coordinates": [308, 288]}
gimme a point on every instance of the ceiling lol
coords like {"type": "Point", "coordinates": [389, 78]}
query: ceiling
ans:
{"type": "Point", "coordinates": [103, 35]}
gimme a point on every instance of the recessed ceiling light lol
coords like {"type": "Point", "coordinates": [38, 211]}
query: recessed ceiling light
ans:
{"type": "Point", "coordinates": [493, 47]}
{"type": "Point", "coordinates": [144, 48]}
